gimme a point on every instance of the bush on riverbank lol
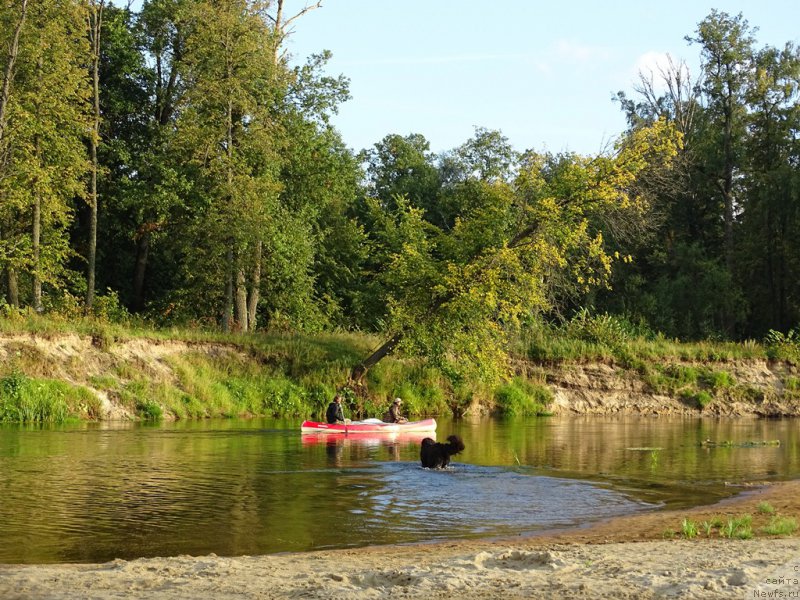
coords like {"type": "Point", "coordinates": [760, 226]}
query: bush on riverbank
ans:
{"type": "Point", "coordinates": [29, 400]}
{"type": "Point", "coordinates": [519, 397]}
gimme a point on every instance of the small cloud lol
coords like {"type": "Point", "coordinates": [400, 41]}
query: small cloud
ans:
{"type": "Point", "coordinates": [652, 63]}
{"type": "Point", "coordinates": [654, 66]}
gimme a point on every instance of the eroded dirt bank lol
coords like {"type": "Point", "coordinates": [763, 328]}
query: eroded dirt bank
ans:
{"type": "Point", "coordinates": [755, 388]}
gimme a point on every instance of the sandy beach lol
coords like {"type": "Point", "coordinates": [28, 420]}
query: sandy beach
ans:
{"type": "Point", "coordinates": [626, 557]}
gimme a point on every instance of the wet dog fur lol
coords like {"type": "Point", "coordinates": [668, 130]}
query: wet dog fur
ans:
{"type": "Point", "coordinates": [436, 455]}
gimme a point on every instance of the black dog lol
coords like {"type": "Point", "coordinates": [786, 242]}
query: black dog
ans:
{"type": "Point", "coordinates": [436, 455]}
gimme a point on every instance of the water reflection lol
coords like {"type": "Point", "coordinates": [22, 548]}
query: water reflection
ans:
{"type": "Point", "coordinates": [94, 492]}
{"type": "Point", "coordinates": [363, 445]}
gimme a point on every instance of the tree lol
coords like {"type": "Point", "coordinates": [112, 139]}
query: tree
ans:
{"type": "Point", "coordinates": [45, 159]}
{"type": "Point", "coordinates": [455, 294]}
{"type": "Point", "coordinates": [403, 166]}
{"type": "Point", "coordinates": [94, 23]}
{"type": "Point", "coordinates": [18, 19]}
{"type": "Point", "coordinates": [767, 253]}
{"type": "Point", "coordinates": [726, 50]}
{"type": "Point", "coordinates": [226, 130]}
{"type": "Point", "coordinates": [144, 182]}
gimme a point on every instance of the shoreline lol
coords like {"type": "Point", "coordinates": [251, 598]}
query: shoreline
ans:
{"type": "Point", "coordinates": [621, 557]}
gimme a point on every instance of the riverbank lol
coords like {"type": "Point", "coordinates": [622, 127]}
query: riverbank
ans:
{"type": "Point", "coordinates": [51, 377]}
{"type": "Point", "coordinates": [626, 557]}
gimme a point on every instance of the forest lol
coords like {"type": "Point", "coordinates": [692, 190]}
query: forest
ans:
{"type": "Point", "coordinates": [174, 165]}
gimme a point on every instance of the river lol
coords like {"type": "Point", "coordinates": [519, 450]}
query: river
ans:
{"type": "Point", "coordinates": [92, 492]}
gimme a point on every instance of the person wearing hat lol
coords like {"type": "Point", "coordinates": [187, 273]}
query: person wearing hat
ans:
{"type": "Point", "coordinates": [393, 414]}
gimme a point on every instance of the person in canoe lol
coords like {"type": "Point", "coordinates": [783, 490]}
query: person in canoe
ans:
{"type": "Point", "coordinates": [335, 413]}
{"type": "Point", "coordinates": [393, 414]}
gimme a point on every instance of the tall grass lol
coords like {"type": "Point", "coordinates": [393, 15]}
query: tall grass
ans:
{"type": "Point", "coordinates": [608, 337]}
{"type": "Point", "coordinates": [28, 400]}
{"type": "Point", "coordinates": [520, 397]}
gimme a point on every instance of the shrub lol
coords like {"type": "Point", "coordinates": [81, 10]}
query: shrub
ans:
{"type": "Point", "coordinates": [781, 346]}
{"type": "Point", "coordinates": [149, 410]}
{"type": "Point", "coordinates": [599, 329]}
{"type": "Point", "coordinates": [27, 400]}
{"type": "Point", "coordinates": [719, 380]}
{"type": "Point", "coordinates": [519, 397]}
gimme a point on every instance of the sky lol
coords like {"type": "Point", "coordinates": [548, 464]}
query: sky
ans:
{"type": "Point", "coordinates": [543, 73]}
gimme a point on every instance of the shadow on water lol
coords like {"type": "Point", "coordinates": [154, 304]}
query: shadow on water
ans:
{"type": "Point", "coordinates": [94, 492]}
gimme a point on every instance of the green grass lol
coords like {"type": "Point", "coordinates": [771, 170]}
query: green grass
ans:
{"type": "Point", "coordinates": [519, 398]}
{"type": "Point", "coordinates": [29, 400]}
{"type": "Point", "coordinates": [689, 529]}
{"type": "Point", "coordinates": [609, 338]}
{"type": "Point", "coordinates": [781, 526]}
{"type": "Point", "coordinates": [738, 528]}
{"type": "Point", "coordinates": [708, 527]}
{"type": "Point", "coordinates": [765, 508]}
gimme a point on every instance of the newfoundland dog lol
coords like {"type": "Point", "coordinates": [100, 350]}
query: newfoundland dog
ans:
{"type": "Point", "coordinates": [436, 455]}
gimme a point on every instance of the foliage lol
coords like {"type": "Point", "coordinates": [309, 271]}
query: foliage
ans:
{"type": "Point", "coordinates": [28, 400]}
{"type": "Point", "coordinates": [783, 346]}
{"type": "Point", "coordinates": [456, 293]}
{"type": "Point", "coordinates": [765, 508]}
{"type": "Point", "coordinates": [689, 529]}
{"type": "Point", "coordinates": [520, 398]}
{"type": "Point", "coordinates": [781, 526]}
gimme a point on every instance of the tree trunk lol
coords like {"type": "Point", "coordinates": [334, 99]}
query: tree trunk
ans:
{"type": "Point", "coordinates": [360, 370]}
{"type": "Point", "coordinates": [241, 300]}
{"type": "Point", "coordinates": [140, 269]}
{"type": "Point", "coordinates": [13, 287]}
{"type": "Point", "coordinates": [36, 229]}
{"type": "Point", "coordinates": [95, 25]}
{"type": "Point", "coordinates": [228, 309]}
{"type": "Point", "coordinates": [8, 73]}
{"type": "Point", "coordinates": [255, 290]}
{"type": "Point", "coordinates": [35, 235]}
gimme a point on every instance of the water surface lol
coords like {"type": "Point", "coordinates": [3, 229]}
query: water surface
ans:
{"type": "Point", "coordinates": [95, 492]}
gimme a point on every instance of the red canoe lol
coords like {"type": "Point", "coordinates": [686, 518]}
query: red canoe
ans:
{"type": "Point", "coordinates": [369, 426]}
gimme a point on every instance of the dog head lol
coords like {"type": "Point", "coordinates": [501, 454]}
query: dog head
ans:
{"type": "Point", "coordinates": [455, 444]}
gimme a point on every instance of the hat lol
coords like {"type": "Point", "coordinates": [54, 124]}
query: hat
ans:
{"type": "Point", "coordinates": [398, 401]}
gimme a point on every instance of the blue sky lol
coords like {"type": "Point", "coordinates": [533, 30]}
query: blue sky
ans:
{"type": "Point", "coordinates": [543, 73]}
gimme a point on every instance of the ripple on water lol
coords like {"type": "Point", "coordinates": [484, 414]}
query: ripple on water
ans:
{"type": "Point", "coordinates": [465, 499]}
